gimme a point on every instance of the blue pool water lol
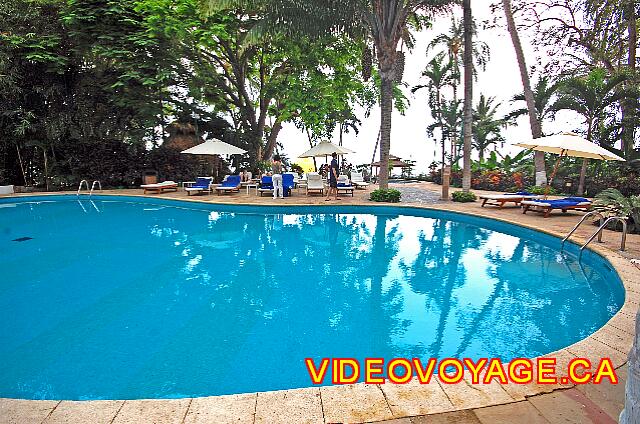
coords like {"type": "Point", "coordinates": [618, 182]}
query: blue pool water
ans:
{"type": "Point", "coordinates": [123, 298]}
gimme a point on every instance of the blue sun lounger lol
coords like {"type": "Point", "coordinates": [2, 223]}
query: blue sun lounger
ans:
{"type": "Point", "coordinates": [230, 184]}
{"type": "Point", "coordinates": [287, 184]}
{"type": "Point", "coordinates": [266, 185]}
{"type": "Point", "coordinates": [201, 184]}
{"type": "Point", "coordinates": [546, 206]}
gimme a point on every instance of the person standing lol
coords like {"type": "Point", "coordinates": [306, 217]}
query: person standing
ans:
{"type": "Point", "coordinates": [276, 177]}
{"type": "Point", "coordinates": [334, 171]}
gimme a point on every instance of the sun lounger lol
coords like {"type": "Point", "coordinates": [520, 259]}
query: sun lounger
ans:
{"type": "Point", "coordinates": [344, 185]}
{"type": "Point", "coordinates": [288, 184]}
{"type": "Point", "coordinates": [358, 181]}
{"type": "Point", "coordinates": [314, 183]}
{"type": "Point", "coordinates": [202, 184]}
{"type": "Point", "coordinates": [230, 184]}
{"type": "Point", "coordinates": [546, 206]}
{"type": "Point", "coordinates": [160, 187]}
{"type": "Point", "coordinates": [266, 185]}
{"type": "Point", "coordinates": [500, 199]}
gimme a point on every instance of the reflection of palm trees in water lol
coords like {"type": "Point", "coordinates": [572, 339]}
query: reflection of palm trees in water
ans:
{"type": "Point", "coordinates": [436, 271]}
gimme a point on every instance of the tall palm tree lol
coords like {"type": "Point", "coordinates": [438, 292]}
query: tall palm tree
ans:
{"type": "Point", "coordinates": [534, 120]}
{"type": "Point", "coordinates": [451, 124]}
{"type": "Point", "coordinates": [544, 94]}
{"type": "Point", "coordinates": [591, 96]}
{"type": "Point", "coordinates": [384, 21]}
{"type": "Point", "coordinates": [487, 128]}
{"type": "Point", "coordinates": [468, 94]}
{"type": "Point", "coordinates": [453, 43]}
{"type": "Point", "coordinates": [438, 74]}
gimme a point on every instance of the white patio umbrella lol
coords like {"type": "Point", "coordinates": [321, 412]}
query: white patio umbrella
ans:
{"type": "Point", "coordinates": [325, 148]}
{"type": "Point", "coordinates": [214, 147]}
{"type": "Point", "coordinates": [568, 144]}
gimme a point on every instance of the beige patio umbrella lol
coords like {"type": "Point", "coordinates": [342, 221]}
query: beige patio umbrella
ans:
{"type": "Point", "coordinates": [568, 144]}
{"type": "Point", "coordinates": [325, 148]}
{"type": "Point", "coordinates": [214, 147]}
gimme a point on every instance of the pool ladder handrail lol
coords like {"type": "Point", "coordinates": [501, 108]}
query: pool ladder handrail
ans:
{"type": "Point", "coordinates": [598, 232]}
{"type": "Point", "coordinates": [93, 186]}
{"type": "Point", "coordinates": [584, 217]}
{"type": "Point", "coordinates": [86, 183]}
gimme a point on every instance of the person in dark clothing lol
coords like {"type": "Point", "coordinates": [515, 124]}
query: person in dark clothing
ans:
{"type": "Point", "coordinates": [334, 171]}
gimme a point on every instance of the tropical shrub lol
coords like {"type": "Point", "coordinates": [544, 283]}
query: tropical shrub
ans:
{"type": "Point", "coordinates": [542, 190]}
{"type": "Point", "coordinates": [463, 196]}
{"type": "Point", "coordinates": [613, 203]}
{"type": "Point", "coordinates": [385, 195]}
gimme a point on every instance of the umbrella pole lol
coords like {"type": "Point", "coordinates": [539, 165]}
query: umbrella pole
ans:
{"type": "Point", "coordinates": [553, 174]}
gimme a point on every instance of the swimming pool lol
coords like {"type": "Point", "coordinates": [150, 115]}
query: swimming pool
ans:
{"type": "Point", "coordinates": [124, 298]}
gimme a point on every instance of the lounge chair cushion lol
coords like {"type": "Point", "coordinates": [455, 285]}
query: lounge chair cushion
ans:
{"type": "Point", "coordinates": [559, 203]}
{"type": "Point", "coordinates": [160, 185]}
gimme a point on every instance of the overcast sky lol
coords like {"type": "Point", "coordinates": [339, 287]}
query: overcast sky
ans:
{"type": "Point", "coordinates": [408, 134]}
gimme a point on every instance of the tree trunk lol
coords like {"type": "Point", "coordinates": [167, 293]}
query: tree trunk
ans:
{"type": "Point", "coordinates": [583, 173]}
{"type": "Point", "coordinates": [386, 106]}
{"type": "Point", "coordinates": [468, 94]}
{"type": "Point", "coordinates": [628, 105]}
{"type": "Point", "coordinates": [536, 128]}
{"type": "Point", "coordinates": [271, 141]}
{"type": "Point", "coordinates": [585, 162]}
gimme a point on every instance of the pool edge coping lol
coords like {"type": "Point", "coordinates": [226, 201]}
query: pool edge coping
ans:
{"type": "Point", "coordinates": [362, 402]}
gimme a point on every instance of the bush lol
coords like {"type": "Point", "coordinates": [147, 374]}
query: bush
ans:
{"type": "Point", "coordinates": [463, 196]}
{"type": "Point", "coordinates": [389, 195]}
{"type": "Point", "coordinates": [542, 190]}
{"type": "Point", "coordinates": [611, 202]}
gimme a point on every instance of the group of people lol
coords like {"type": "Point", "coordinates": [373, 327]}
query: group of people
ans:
{"type": "Point", "coordinates": [333, 171]}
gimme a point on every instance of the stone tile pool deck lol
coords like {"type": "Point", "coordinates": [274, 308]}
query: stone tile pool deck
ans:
{"type": "Point", "coordinates": [395, 404]}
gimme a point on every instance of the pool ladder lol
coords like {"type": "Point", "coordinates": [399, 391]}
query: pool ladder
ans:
{"type": "Point", "coordinates": [86, 184]}
{"type": "Point", "coordinates": [604, 221]}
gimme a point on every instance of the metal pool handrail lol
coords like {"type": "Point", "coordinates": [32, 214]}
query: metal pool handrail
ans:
{"type": "Point", "coordinates": [93, 186]}
{"type": "Point", "coordinates": [80, 186]}
{"type": "Point", "coordinates": [584, 217]}
{"type": "Point", "coordinates": [599, 231]}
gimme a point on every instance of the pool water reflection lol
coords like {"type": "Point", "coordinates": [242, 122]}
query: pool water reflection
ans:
{"type": "Point", "coordinates": [169, 299]}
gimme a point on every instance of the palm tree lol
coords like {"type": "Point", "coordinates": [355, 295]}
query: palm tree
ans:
{"type": "Point", "coordinates": [544, 93]}
{"type": "Point", "coordinates": [451, 123]}
{"type": "Point", "coordinates": [438, 74]}
{"type": "Point", "coordinates": [453, 42]}
{"type": "Point", "coordinates": [534, 119]}
{"type": "Point", "coordinates": [468, 94]}
{"type": "Point", "coordinates": [591, 96]}
{"type": "Point", "coordinates": [384, 21]}
{"type": "Point", "coordinates": [487, 128]}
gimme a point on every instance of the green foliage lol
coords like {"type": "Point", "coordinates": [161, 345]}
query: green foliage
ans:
{"type": "Point", "coordinates": [541, 190]}
{"type": "Point", "coordinates": [487, 127]}
{"type": "Point", "coordinates": [385, 195]}
{"type": "Point", "coordinates": [613, 203]}
{"type": "Point", "coordinates": [463, 196]}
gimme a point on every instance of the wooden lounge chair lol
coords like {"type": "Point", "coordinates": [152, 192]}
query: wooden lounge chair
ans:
{"type": "Point", "coordinates": [546, 206]}
{"type": "Point", "coordinates": [160, 187]}
{"type": "Point", "coordinates": [500, 199]}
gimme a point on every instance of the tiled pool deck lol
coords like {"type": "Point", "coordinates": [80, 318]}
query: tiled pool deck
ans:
{"type": "Point", "coordinates": [401, 404]}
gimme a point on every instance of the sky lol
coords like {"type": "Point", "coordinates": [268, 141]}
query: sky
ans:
{"type": "Point", "coordinates": [501, 79]}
